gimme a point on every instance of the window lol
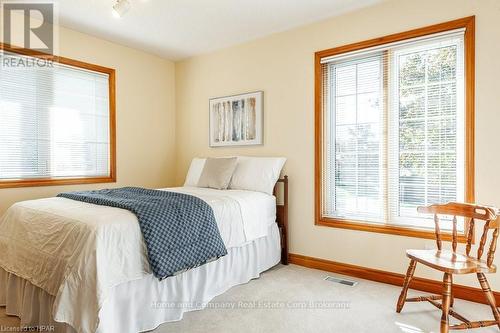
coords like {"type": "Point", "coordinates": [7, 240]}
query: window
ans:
{"type": "Point", "coordinates": [56, 122]}
{"type": "Point", "coordinates": [394, 120]}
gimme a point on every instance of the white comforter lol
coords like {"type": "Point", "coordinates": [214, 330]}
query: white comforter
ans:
{"type": "Point", "coordinates": [78, 252]}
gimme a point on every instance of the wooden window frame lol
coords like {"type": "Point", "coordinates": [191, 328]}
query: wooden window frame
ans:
{"type": "Point", "coordinates": [469, 80]}
{"type": "Point", "coordinates": [112, 123]}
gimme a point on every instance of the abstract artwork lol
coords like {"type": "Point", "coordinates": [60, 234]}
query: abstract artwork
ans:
{"type": "Point", "coordinates": [236, 120]}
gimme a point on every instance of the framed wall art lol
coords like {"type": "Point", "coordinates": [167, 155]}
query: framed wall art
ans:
{"type": "Point", "coordinates": [236, 120]}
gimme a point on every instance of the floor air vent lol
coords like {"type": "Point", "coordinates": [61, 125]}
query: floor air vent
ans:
{"type": "Point", "coordinates": [341, 281]}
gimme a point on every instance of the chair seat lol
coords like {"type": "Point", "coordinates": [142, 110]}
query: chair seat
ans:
{"type": "Point", "coordinates": [449, 262]}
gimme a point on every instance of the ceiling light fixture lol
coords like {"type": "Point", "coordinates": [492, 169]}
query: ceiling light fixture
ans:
{"type": "Point", "coordinates": [121, 7]}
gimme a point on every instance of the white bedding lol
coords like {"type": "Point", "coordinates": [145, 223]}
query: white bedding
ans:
{"type": "Point", "coordinates": [78, 252]}
{"type": "Point", "coordinates": [130, 307]}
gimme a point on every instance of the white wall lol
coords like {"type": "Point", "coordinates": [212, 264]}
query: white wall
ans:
{"type": "Point", "coordinates": [145, 112]}
{"type": "Point", "coordinates": [282, 66]}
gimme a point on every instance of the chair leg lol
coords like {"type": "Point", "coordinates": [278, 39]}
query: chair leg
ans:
{"type": "Point", "coordinates": [489, 296]}
{"type": "Point", "coordinates": [452, 297]}
{"type": "Point", "coordinates": [406, 284]}
{"type": "Point", "coordinates": [446, 302]}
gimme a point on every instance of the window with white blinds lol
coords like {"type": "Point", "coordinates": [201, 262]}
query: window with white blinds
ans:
{"type": "Point", "coordinates": [393, 130]}
{"type": "Point", "coordinates": [54, 123]}
{"type": "Point", "coordinates": [354, 146]}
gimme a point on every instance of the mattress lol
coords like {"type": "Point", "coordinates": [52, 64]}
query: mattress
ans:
{"type": "Point", "coordinates": [144, 304]}
{"type": "Point", "coordinates": [78, 252]}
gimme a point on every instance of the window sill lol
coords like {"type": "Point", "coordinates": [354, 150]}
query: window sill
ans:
{"type": "Point", "coordinates": [385, 229]}
{"type": "Point", "coordinates": [55, 182]}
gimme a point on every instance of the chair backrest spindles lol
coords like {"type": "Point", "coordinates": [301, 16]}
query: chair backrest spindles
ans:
{"type": "Point", "coordinates": [437, 231]}
{"type": "Point", "coordinates": [493, 247]}
{"type": "Point", "coordinates": [482, 242]}
{"type": "Point", "coordinates": [471, 212]}
{"type": "Point", "coordinates": [470, 235]}
{"type": "Point", "coordinates": [454, 243]}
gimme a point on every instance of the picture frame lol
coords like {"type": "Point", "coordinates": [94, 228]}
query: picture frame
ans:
{"type": "Point", "coordinates": [236, 120]}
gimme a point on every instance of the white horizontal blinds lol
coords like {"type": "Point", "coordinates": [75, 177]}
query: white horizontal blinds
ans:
{"type": "Point", "coordinates": [25, 96]}
{"type": "Point", "coordinates": [393, 136]}
{"type": "Point", "coordinates": [328, 143]}
{"type": "Point", "coordinates": [355, 133]}
{"type": "Point", "coordinates": [428, 111]}
{"type": "Point", "coordinates": [54, 122]}
{"type": "Point", "coordinates": [80, 99]}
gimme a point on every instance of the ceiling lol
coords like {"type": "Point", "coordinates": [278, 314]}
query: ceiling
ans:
{"type": "Point", "coordinates": [177, 29]}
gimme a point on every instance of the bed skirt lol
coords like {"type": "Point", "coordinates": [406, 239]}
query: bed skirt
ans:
{"type": "Point", "coordinates": [143, 305]}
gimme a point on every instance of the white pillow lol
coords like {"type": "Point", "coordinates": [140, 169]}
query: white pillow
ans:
{"type": "Point", "coordinates": [257, 173]}
{"type": "Point", "coordinates": [194, 172]}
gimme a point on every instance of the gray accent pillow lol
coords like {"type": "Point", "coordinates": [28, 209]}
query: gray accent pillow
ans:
{"type": "Point", "coordinates": [217, 173]}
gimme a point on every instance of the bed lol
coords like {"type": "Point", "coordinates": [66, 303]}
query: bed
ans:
{"type": "Point", "coordinates": [109, 286]}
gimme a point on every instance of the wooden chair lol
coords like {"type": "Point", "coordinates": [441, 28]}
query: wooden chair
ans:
{"type": "Point", "coordinates": [451, 262]}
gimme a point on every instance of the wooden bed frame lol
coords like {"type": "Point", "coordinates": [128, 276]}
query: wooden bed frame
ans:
{"type": "Point", "coordinates": [282, 218]}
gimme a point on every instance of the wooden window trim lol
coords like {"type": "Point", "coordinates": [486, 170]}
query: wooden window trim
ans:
{"type": "Point", "coordinates": [469, 58]}
{"type": "Point", "coordinates": [112, 123]}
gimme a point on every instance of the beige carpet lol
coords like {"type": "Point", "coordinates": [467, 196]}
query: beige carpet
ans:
{"type": "Point", "coordinates": [282, 300]}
